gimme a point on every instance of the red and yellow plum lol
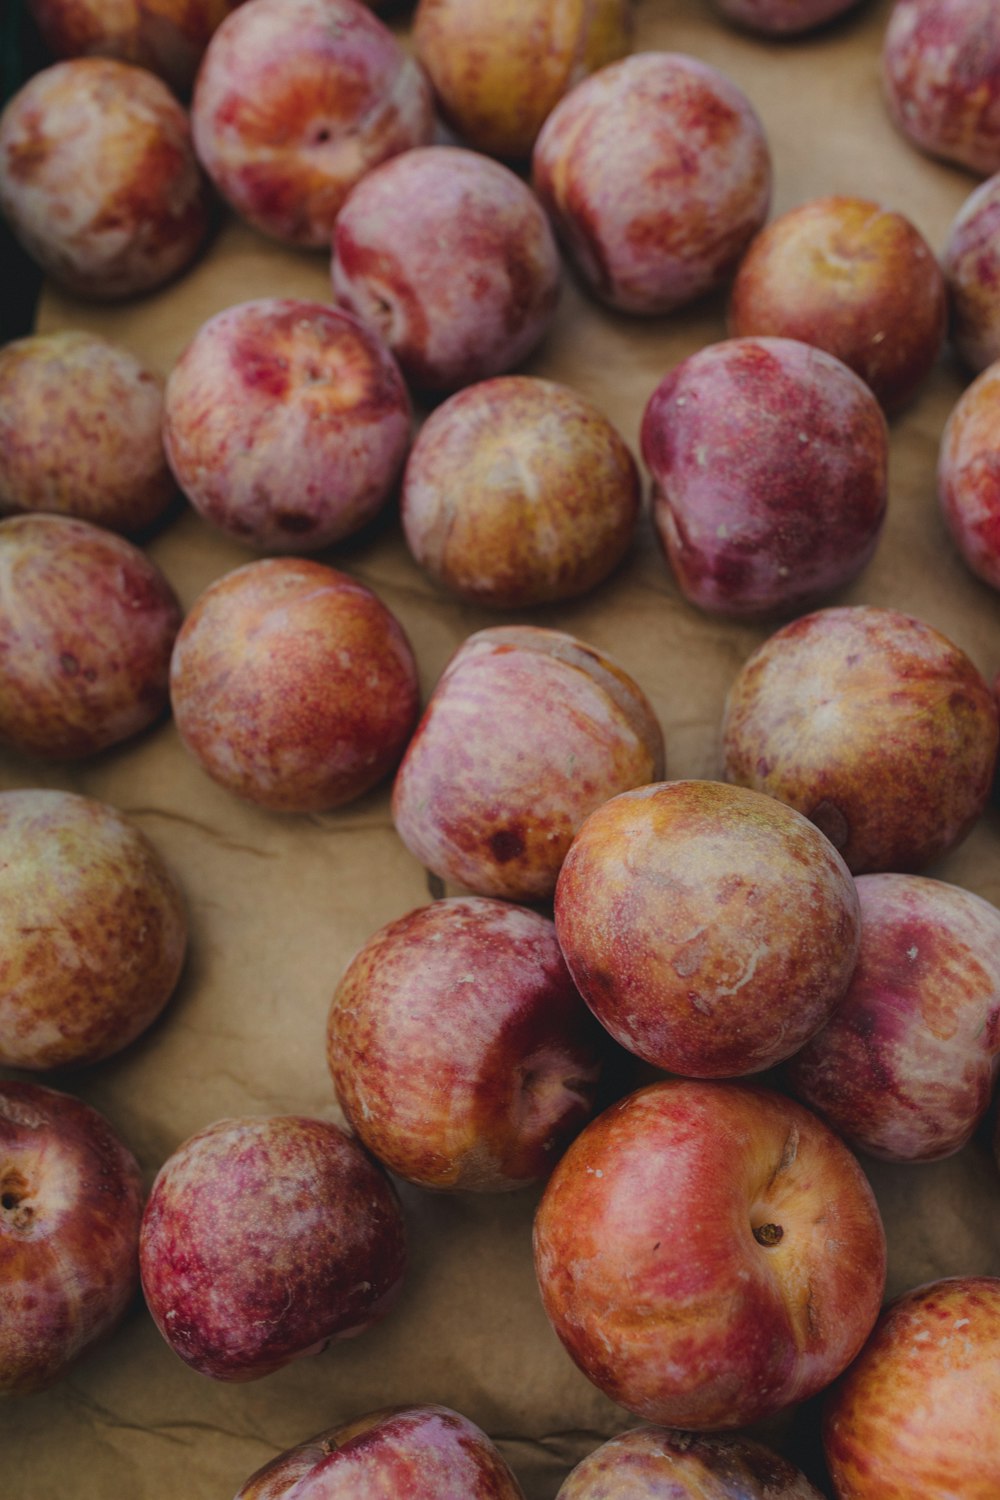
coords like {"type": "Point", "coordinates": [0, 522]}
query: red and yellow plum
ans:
{"type": "Point", "coordinates": [711, 930]}
{"type": "Point", "coordinates": [941, 77]}
{"type": "Point", "coordinates": [770, 470]}
{"type": "Point", "coordinates": [655, 1463]}
{"type": "Point", "coordinates": [449, 255]}
{"type": "Point", "coordinates": [293, 686]}
{"type": "Point", "coordinates": [519, 492]}
{"type": "Point", "coordinates": [461, 1053]}
{"type": "Point", "coordinates": [287, 423]}
{"type": "Point", "coordinates": [873, 724]}
{"type": "Point", "coordinates": [656, 173]}
{"type": "Point", "coordinates": [969, 476]}
{"type": "Point", "coordinates": [527, 731]}
{"type": "Point", "coordinates": [166, 36]}
{"type": "Point", "coordinates": [264, 1239]}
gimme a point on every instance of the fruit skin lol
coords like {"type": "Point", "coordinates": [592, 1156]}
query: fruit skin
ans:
{"type": "Point", "coordinates": [941, 78]}
{"type": "Point", "coordinates": [782, 17]}
{"type": "Point", "coordinates": [87, 624]}
{"type": "Point", "coordinates": [874, 725]}
{"type": "Point", "coordinates": [99, 180]}
{"type": "Point", "coordinates": [791, 503]}
{"type": "Point", "coordinates": [498, 67]}
{"type": "Point", "coordinates": [519, 492]}
{"type": "Point", "coordinates": [968, 477]}
{"type": "Point", "coordinates": [653, 1463]}
{"type": "Point", "coordinates": [449, 255]}
{"type": "Point", "coordinates": [402, 1453]}
{"type": "Point", "coordinates": [711, 930]}
{"type": "Point", "coordinates": [971, 264]}
{"type": "Point", "coordinates": [295, 101]}
{"type": "Point", "coordinates": [460, 1051]}
{"type": "Point", "coordinates": [81, 432]}
{"type": "Point", "coordinates": [853, 278]}
{"type": "Point", "coordinates": [916, 1412]}
{"type": "Point", "coordinates": [166, 36]}
{"type": "Point", "coordinates": [527, 731]}
{"type": "Point", "coordinates": [93, 930]}
{"type": "Point", "coordinates": [907, 1064]}
{"type": "Point", "coordinates": [656, 174]}
{"type": "Point", "coordinates": [293, 686]}
{"type": "Point", "coordinates": [70, 1205]}
{"type": "Point", "coordinates": [265, 1238]}
{"type": "Point", "coordinates": [287, 423]}
{"type": "Point", "coordinates": [654, 1278]}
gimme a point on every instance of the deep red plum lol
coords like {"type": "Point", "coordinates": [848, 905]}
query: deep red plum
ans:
{"type": "Point", "coordinates": [941, 77]}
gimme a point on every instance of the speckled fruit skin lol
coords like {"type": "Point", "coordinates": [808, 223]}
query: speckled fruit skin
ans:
{"type": "Point", "coordinates": [498, 67]}
{"type": "Point", "coordinates": [166, 36]}
{"type": "Point", "coordinates": [709, 1254]}
{"type": "Point", "coordinates": [782, 17]}
{"type": "Point", "coordinates": [656, 173]}
{"type": "Point", "coordinates": [971, 262]}
{"type": "Point", "coordinates": [87, 624]}
{"type": "Point", "coordinates": [527, 731]}
{"type": "Point", "coordinates": [460, 1051]}
{"type": "Point", "coordinates": [653, 1463]}
{"type": "Point", "coordinates": [770, 475]}
{"type": "Point", "coordinates": [70, 1205]}
{"type": "Point", "coordinates": [874, 725]}
{"type": "Point", "coordinates": [853, 278]}
{"type": "Point", "coordinates": [519, 492]}
{"type": "Point", "coordinates": [402, 1453]}
{"type": "Point", "coordinates": [968, 476]}
{"type": "Point", "coordinates": [81, 432]}
{"type": "Point", "coordinates": [98, 178]}
{"type": "Point", "coordinates": [711, 930]}
{"type": "Point", "coordinates": [264, 1239]}
{"type": "Point", "coordinates": [941, 77]}
{"type": "Point", "coordinates": [916, 1413]}
{"type": "Point", "coordinates": [287, 423]}
{"type": "Point", "coordinates": [293, 686]}
{"type": "Point", "coordinates": [906, 1067]}
{"type": "Point", "coordinates": [295, 101]}
{"type": "Point", "coordinates": [449, 255]}
{"type": "Point", "coordinates": [92, 930]}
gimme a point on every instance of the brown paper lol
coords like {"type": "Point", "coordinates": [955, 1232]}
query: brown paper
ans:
{"type": "Point", "coordinates": [279, 904]}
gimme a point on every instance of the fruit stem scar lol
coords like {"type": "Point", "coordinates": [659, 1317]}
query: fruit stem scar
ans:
{"type": "Point", "coordinates": [768, 1234]}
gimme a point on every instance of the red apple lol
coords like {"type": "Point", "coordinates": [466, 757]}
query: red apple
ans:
{"type": "Point", "coordinates": [498, 67]}
{"type": "Point", "coordinates": [711, 930]}
{"type": "Point", "coordinates": [287, 423]}
{"type": "Point", "coordinates": [941, 75]}
{"type": "Point", "coordinates": [916, 1414]}
{"type": "Point", "coordinates": [906, 1066]}
{"type": "Point", "coordinates": [81, 432]}
{"type": "Point", "coordinates": [519, 492]}
{"type": "Point", "coordinates": [166, 36]}
{"type": "Point", "coordinates": [652, 1463]}
{"type": "Point", "coordinates": [971, 263]}
{"type": "Point", "coordinates": [709, 1254]}
{"type": "Point", "coordinates": [527, 731]}
{"type": "Point", "coordinates": [92, 930]}
{"type": "Point", "coordinates": [657, 174]}
{"type": "Point", "coordinates": [769, 461]}
{"type": "Point", "coordinates": [263, 1239]}
{"type": "Point", "coordinates": [294, 102]}
{"type": "Point", "coordinates": [293, 686]}
{"type": "Point", "coordinates": [98, 178]}
{"type": "Point", "coordinates": [969, 476]}
{"type": "Point", "coordinates": [461, 1053]}
{"type": "Point", "coordinates": [406, 1452]}
{"type": "Point", "coordinates": [70, 1205]}
{"type": "Point", "coordinates": [449, 255]}
{"type": "Point", "coordinates": [87, 625]}
{"type": "Point", "coordinates": [853, 278]}
{"type": "Point", "coordinates": [874, 725]}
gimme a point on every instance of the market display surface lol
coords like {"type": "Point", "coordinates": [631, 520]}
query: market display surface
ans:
{"type": "Point", "coordinates": [710, 1253]}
